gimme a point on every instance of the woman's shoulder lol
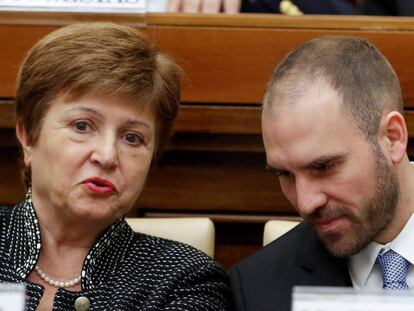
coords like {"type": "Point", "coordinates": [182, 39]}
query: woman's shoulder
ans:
{"type": "Point", "coordinates": [165, 248]}
{"type": "Point", "coordinates": [6, 211]}
{"type": "Point", "coordinates": [161, 272]}
{"type": "Point", "coordinates": [158, 257]}
{"type": "Point", "coordinates": [167, 255]}
{"type": "Point", "coordinates": [180, 270]}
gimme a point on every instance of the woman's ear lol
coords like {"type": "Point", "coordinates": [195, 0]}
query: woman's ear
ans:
{"type": "Point", "coordinates": [27, 148]}
{"type": "Point", "coordinates": [394, 131]}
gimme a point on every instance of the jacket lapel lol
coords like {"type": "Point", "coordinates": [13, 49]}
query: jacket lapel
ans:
{"type": "Point", "coordinates": [320, 268]}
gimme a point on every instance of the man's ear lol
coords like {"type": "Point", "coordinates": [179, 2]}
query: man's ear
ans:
{"type": "Point", "coordinates": [27, 148]}
{"type": "Point", "coordinates": [394, 131]}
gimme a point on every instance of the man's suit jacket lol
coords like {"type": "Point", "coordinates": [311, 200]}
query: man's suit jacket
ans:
{"type": "Point", "coordinates": [306, 6]}
{"type": "Point", "coordinates": [388, 7]}
{"type": "Point", "coordinates": [264, 281]}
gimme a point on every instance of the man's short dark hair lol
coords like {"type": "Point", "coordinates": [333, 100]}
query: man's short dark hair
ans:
{"type": "Point", "coordinates": [354, 67]}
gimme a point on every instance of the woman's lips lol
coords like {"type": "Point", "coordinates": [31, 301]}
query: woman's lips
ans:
{"type": "Point", "coordinates": [99, 185]}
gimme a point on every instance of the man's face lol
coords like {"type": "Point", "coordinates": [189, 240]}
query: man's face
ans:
{"type": "Point", "coordinates": [341, 184]}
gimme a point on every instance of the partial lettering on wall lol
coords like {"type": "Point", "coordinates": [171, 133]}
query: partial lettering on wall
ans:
{"type": "Point", "coordinates": [98, 6]}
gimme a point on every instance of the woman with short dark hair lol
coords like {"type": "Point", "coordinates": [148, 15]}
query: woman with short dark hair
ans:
{"type": "Point", "coordinates": [94, 105]}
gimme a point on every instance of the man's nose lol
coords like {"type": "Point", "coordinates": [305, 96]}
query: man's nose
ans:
{"type": "Point", "coordinates": [105, 152]}
{"type": "Point", "coordinates": [309, 196]}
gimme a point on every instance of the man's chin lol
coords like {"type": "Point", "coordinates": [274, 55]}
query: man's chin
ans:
{"type": "Point", "coordinates": [342, 245]}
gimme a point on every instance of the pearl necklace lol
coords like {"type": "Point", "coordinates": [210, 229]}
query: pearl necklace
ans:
{"type": "Point", "coordinates": [54, 283]}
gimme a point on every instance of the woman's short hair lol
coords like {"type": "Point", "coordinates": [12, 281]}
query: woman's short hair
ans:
{"type": "Point", "coordinates": [97, 59]}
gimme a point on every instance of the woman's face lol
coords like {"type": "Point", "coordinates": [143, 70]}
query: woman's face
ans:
{"type": "Point", "coordinates": [91, 158]}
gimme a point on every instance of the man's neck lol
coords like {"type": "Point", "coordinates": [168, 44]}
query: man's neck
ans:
{"type": "Point", "coordinates": [405, 206]}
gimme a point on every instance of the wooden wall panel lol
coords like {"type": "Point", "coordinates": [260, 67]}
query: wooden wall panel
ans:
{"type": "Point", "coordinates": [11, 190]}
{"type": "Point", "coordinates": [232, 66]}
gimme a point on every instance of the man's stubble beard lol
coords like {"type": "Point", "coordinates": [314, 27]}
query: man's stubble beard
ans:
{"type": "Point", "coordinates": [374, 216]}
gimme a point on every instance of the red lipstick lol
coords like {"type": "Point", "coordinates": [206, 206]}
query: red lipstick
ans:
{"type": "Point", "coordinates": [99, 185]}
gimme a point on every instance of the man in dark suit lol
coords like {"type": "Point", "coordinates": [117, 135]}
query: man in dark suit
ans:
{"type": "Point", "coordinates": [335, 136]}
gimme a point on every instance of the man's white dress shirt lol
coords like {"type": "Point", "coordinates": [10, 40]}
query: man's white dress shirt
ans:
{"type": "Point", "coordinates": [366, 274]}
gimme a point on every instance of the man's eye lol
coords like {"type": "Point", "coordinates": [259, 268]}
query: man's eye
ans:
{"type": "Point", "coordinates": [133, 139]}
{"type": "Point", "coordinates": [325, 166]}
{"type": "Point", "coordinates": [283, 173]}
{"type": "Point", "coordinates": [278, 172]}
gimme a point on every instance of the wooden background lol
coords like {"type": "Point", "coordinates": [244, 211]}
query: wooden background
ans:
{"type": "Point", "coordinates": [215, 163]}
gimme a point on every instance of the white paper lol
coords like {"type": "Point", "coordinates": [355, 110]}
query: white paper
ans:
{"type": "Point", "coordinates": [98, 6]}
{"type": "Point", "coordinates": [12, 297]}
{"type": "Point", "coordinates": [157, 5]}
{"type": "Point", "coordinates": [348, 299]}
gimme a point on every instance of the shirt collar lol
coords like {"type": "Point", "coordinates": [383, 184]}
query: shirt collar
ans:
{"type": "Point", "coordinates": [361, 264]}
{"type": "Point", "coordinates": [403, 243]}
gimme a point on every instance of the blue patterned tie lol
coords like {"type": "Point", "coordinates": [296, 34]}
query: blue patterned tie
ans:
{"type": "Point", "coordinates": [394, 269]}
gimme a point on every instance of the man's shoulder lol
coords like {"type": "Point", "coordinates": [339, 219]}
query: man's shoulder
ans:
{"type": "Point", "coordinates": [265, 279]}
{"type": "Point", "coordinates": [282, 250]}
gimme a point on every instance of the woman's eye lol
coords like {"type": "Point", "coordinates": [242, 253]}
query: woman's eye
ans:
{"type": "Point", "coordinates": [133, 139]}
{"type": "Point", "coordinates": [81, 126]}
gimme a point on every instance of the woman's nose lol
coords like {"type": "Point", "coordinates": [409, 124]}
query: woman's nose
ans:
{"type": "Point", "coordinates": [105, 152]}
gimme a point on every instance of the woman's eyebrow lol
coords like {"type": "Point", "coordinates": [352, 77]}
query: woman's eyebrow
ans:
{"type": "Point", "coordinates": [86, 109]}
{"type": "Point", "coordinates": [137, 123]}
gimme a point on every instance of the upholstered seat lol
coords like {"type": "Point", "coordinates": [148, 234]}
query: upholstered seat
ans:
{"type": "Point", "coordinates": [197, 232]}
{"type": "Point", "coordinates": [276, 228]}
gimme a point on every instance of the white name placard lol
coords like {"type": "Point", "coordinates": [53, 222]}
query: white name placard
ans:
{"type": "Point", "coordinates": [98, 6]}
{"type": "Point", "coordinates": [12, 297]}
{"type": "Point", "coordinates": [348, 299]}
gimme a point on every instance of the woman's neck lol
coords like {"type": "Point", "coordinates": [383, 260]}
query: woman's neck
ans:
{"type": "Point", "coordinates": [61, 229]}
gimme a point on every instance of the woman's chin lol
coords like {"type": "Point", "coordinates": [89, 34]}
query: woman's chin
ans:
{"type": "Point", "coordinates": [99, 213]}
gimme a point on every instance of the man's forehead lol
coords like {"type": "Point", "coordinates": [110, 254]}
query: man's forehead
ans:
{"type": "Point", "coordinates": [312, 101]}
{"type": "Point", "coordinates": [305, 90]}
{"type": "Point", "coordinates": [312, 127]}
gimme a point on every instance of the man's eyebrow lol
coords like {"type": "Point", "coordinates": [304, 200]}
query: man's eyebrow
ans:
{"type": "Point", "coordinates": [273, 169]}
{"type": "Point", "coordinates": [323, 161]}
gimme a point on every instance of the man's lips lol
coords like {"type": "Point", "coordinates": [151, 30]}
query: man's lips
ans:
{"type": "Point", "coordinates": [99, 185]}
{"type": "Point", "coordinates": [328, 224]}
